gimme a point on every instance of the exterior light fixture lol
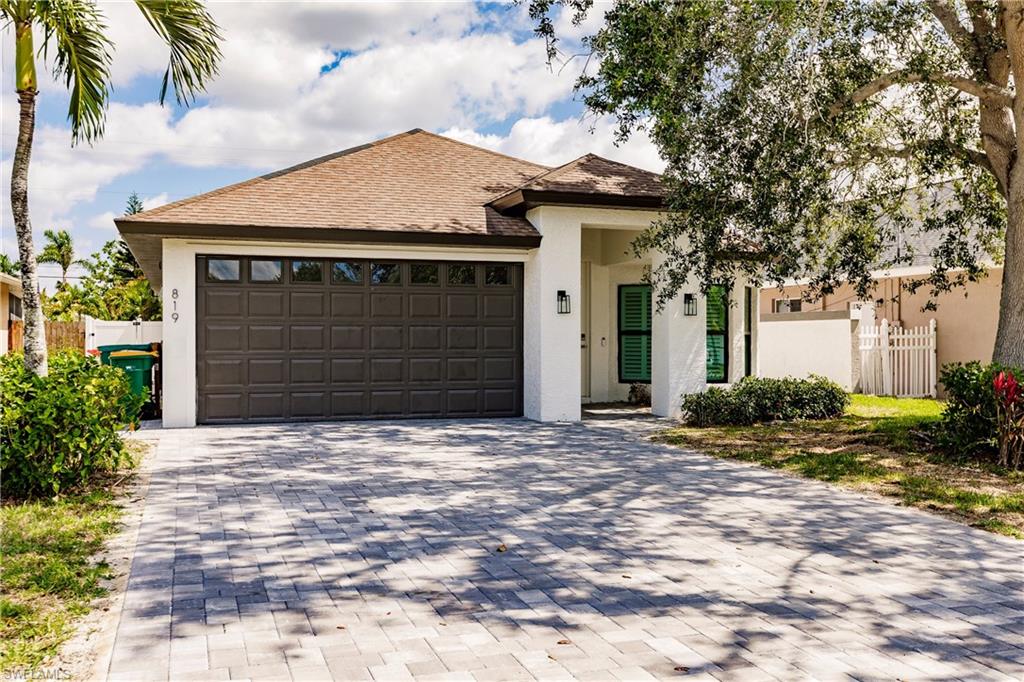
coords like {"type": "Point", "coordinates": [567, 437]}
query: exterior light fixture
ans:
{"type": "Point", "coordinates": [564, 304]}
{"type": "Point", "coordinates": [689, 305]}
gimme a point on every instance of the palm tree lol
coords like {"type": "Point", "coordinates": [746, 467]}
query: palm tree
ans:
{"type": "Point", "coordinates": [60, 250]}
{"type": "Point", "coordinates": [75, 32]}
{"type": "Point", "coordinates": [8, 266]}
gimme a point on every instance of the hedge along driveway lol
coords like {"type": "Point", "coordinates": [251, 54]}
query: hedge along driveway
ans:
{"type": "Point", "coordinates": [359, 550]}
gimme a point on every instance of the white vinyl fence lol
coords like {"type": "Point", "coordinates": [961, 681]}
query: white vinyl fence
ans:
{"type": "Point", "coordinates": [107, 332]}
{"type": "Point", "coordinates": [898, 361]}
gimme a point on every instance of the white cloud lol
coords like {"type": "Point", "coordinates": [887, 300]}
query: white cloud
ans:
{"type": "Point", "coordinates": [544, 140]}
{"type": "Point", "coordinates": [154, 201]}
{"type": "Point", "coordinates": [567, 31]}
{"type": "Point", "coordinates": [103, 221]}
{"type": "Point", "coordinates": [443, 66]}
{"type": "Point", "coordinates": [61, 176]}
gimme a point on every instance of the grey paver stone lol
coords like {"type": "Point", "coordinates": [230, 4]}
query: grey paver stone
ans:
{"type": "Point", "coordinates": [257, 542]}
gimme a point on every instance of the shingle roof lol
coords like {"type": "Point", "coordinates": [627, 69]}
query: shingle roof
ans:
{"type": "Point", "coordinates": [411, 182]}
{"type": "Point", "coordinates": [592, 174]}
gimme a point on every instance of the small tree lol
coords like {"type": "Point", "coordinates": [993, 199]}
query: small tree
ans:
{"type": "Point", "coordinates": [75, 32]}
{"type": "Point", "coordinates": [134, 204]}
{"type": "Point", "coordinates": [59, 249]}
{"type": "Point", "coordinates": [819, 133]}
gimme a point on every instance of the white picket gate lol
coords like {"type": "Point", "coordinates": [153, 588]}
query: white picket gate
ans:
{"type": "Point", "coordinates": [898, 361]}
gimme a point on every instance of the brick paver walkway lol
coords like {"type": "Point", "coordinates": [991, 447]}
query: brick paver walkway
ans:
{"type": "Point", "coordinates": [371, 551]}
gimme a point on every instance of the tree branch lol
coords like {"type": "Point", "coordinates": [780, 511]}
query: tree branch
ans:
{"type": "Point", "coordinates": [961, 37]}
{"type": "Point", "coordinates": [980, 20]}
{"type": "Point", "coordinates": [864, 152]}
{"type": "Point", "coordinates": [990, 94]}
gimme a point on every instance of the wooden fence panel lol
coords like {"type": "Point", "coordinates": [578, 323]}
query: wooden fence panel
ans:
{"type": "Point", "coordinates": [59, 335]}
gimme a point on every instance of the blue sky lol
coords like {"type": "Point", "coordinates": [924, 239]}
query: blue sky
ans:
{"type": "Point", "coordinates": [300, 80]}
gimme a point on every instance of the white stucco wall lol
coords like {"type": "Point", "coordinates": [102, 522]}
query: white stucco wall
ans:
{"type": "Point", "coordinates": [799, 344]}
{"type": "Point", "coordinates": [178, 291]}
{"type": "Point", "coordinates": [551, 342]}
{"type": "Point", "coordinates": [678, 352]}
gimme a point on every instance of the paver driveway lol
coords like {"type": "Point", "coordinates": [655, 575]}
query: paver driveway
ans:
{"type": "Point", "coordinates": [360, 550]}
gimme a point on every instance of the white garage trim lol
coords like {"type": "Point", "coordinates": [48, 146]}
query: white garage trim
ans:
{"type": "Point", "coordinates": [179, 299]}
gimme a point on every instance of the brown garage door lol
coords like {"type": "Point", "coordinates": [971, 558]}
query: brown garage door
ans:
{"type": "Point", "coordinates": [308, 339]}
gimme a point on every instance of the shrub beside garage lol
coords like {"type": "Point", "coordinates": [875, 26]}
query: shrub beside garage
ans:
{"type": "Point", "coordinates": [58, 431]}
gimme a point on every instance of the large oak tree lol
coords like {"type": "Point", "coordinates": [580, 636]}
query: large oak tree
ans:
{"type": "Point", "coordinates": [818, 134]}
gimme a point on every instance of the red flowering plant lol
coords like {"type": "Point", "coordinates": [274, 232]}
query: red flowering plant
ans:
{"type": "Point", "coordinates": [1009, 418]}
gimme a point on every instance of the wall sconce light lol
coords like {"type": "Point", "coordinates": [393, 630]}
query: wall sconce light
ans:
{"type": "Point", "coordinates": [689, 305]}
{"type": "Point", "coordinates": [564, 305]}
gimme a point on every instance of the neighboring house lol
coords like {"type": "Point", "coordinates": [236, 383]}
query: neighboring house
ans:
{"type": "Point", "coordinates": [966, 318]}
{"type": "Point", "coordinates": [418, 276]}
{"type": "Point", "coordinates": [10, 308]}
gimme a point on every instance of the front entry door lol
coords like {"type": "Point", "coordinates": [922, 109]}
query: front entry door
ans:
{"type": "Point", "coordinates": [585, 331]}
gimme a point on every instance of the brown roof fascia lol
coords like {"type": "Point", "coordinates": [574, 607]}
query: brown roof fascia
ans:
{"type": "Point", "coordinates": [320, 234]}
{"type": "Point", "coordinates": [519, 201]}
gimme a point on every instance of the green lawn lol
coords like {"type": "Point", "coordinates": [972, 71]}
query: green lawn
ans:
{"type": "Point", "coordinates": [48, 575]}
{"type": "Point", "coordinates": [879, 445]}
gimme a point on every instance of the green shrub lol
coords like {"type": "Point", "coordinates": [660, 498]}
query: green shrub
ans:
{"type": "Point", "coordinates": [753, 400]}
{"type": "Point", "coordinates": [57, 431]}
{"type": "Point", "coordinates": [968, 426]}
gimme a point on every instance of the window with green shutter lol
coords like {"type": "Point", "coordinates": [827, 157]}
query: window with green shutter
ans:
{"type": "Point", "coordinates": [718, 335]}
{"type": "Point", "coordinates": [634, 333]}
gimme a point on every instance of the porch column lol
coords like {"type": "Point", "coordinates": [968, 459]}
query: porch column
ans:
{"type": "Point", "coordinates": [678, 350]}
{"type": "Point", "coordinates": [551, 341]}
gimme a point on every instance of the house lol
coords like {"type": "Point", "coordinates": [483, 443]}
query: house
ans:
{"type": "Point", "coordinates": [418, 276]}
{"type": "Point", "coordinates": [801, 336]}
{"type": "Point", "coordinates": [10, 308]}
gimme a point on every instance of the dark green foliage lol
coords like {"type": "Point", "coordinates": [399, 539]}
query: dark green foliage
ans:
{"type": "Point", "coordinates": [57, 431]}
{"type": "Point", "coordinates": [754, 400]}
{"type": "Point", "coordinates": [968, 425]}
{"type": "Point", "coordinates": [772, 148]}
{"type": "Point", "coordinates": [114, 288]}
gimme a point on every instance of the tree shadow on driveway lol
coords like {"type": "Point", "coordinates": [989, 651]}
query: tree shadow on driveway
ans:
{"type": "Point", "coordinates": [409, 543]}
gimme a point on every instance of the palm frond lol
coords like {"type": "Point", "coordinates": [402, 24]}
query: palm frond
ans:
{"type": "Point", "coordinates": [13, 10]}
{"type": "Point", "coordinates": [75, 29]}
{"type": "Point", "coordinates": [194, 39]}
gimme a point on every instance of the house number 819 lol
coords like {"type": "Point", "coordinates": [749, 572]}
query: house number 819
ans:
{"type": "Point", "coordinates": [174, 304]}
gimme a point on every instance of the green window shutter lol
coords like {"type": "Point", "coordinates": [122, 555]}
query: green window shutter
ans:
{"type": "Point", "coordinates": [635, 310]}
{"type": "Point", "coordinates": [717, 335]}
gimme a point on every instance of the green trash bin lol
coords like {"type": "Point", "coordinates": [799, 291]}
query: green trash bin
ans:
{"type": "Point", "coordinates": [105, 351]}
{"type": "Point", "coordinates": [138, 365]}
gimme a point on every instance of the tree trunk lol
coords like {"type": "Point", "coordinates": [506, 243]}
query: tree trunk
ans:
{"type": "Point", "coordinates": [35, 326]}
{"type": "Point", "coordinates": [1009, 349]}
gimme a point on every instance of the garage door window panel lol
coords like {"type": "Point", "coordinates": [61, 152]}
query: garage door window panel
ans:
{"type": "Point", "coordinates": [462, 275]}
{"type": "Point", "coordinates": [267, 271]}
{"type": "Point", "coordinates": [497, 276]}
{"type": "Point", "coordinates": [424, 274]}
{"type": "Point", "coordinates": [307, 272]}
{"type": "Point", "coordinates": [346, 272]}
{"type": "Point", "coordinates": [385, 274]}
{"type": "Point", "coordinates": [223, 270]}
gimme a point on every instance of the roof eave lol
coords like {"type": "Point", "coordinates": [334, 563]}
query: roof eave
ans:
{"type": "Point", "coordinates": [321, 234]}
{"type": "Point", "coordinates": [520, 201]}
